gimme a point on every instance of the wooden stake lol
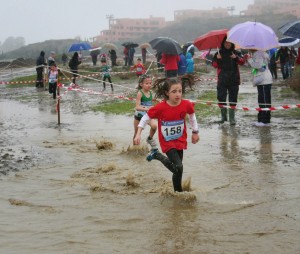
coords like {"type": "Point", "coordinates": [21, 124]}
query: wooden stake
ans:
{"type": "Point", "coordinates": [58, 101]}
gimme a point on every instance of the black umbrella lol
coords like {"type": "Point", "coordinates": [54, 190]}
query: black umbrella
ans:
{"type": "Point", "coordinates": [130, 44]}
{"type": "Point", "coordinates": [291, 29]}
{"type": "Point", "coordinates": [166, 45]}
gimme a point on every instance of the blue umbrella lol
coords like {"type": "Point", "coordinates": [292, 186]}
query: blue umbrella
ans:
{"type": "Point", "coordinates": [79, 46]}
{"type": "Point", "coordinates": [291, 29]}
{"type": "Point", "coordinates": [288, 41]}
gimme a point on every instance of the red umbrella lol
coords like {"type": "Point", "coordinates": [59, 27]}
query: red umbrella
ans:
{"type": "Point", "coordinates": [210, 40]}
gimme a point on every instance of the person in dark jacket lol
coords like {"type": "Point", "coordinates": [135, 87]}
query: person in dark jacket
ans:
{"type": "Point", "coordinates": [51, 58]}
{"type": "Point", "coordinates": [113, 57]}
{"type": "Point", "coordinates": [73, 64]}
{"type": "Point", "coordinates": [283, 57]}
{"type": "Point", "coordinates": [64, 59]}
{"type": "Point", "coordinates": [94, 55]}
{"type": "Point", "coordinates": [40, 63]}
{"type": "Point", "coordinates": [131, 53]}
{"type": "Point", "coordinates": [272, 63]}
{"type": "Point", "coordinates": [160, 66]}
{"type": "Point", "coordinates": [226, 60]}
{"type": "Point", "coordinates": [144, 55]}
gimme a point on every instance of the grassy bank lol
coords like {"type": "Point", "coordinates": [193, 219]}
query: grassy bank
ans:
{"type": "Point", "coordinates": [125, 107]}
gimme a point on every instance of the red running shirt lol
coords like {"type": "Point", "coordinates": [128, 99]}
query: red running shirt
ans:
{"type": "Point", "coordinates": [172, 124]}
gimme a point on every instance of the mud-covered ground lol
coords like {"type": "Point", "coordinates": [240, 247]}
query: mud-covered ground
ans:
{"type": "Point", "coordinates": [82, 188]}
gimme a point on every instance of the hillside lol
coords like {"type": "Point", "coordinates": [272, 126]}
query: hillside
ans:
{"type": "Point", "coordinates": [33, 50]}
{"type": "Point", "coordinates": [183, 32]}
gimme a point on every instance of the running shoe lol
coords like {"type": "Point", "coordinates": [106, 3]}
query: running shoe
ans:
{"type": "Point", "coordinates": [151, 155]}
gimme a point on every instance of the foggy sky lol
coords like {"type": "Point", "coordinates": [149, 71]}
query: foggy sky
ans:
{"type": "Point", "coordinates": [40, 20]}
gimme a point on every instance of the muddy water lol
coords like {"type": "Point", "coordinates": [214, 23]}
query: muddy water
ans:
{"type": "Point", "coordinates": [60, 194]}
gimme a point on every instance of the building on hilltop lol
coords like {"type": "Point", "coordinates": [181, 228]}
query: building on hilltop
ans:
{"type": "Point", "coordinates": [180, 15]}
{"type": "Point", "coordinates": [128, 29]}
{"type": "Point", "coordinates": [261, 7]}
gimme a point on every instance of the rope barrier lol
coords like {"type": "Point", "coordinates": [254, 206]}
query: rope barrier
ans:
{"type": "Point", "coordinates": [77, 88]}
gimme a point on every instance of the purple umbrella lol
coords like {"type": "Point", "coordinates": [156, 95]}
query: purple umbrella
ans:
{"type": "Point", "coordinates": [253, 35]}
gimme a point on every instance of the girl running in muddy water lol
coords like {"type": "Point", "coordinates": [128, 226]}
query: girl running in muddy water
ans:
{"type": "Point", "coordinates": [142, 105]}
{"type": "Point", "coordinates": [171, 114]}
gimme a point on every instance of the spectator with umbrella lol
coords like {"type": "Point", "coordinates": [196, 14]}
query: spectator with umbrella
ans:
{"type": "Point", "coordinates": [94, 52]}
{"type": "Point", "coordinates": [131, 53]}
{"type": "Point", "coordinates": [64, 58]}
{"type": "Point", "coordinates": [158, 57]}
{"type": "Point", "coordinates": [272, 64]}
{"type": "Point", "coordinates": [113, 57]}
{"type": "Point", "coordinates": [125, 52]}
{"type": "Point", "coordinates": [181, 64]}
{"type": "Point", "coordinates": [298, 57]}
{"type": "Point", "coordinates": [144, 55]}
{"type": "Point", "coordinates": [226, 60]}
{"type": "Point", "coordinates": [51, 58]}
{"type": "Point", "coordinates": [293, 57]}
{"type": "Point", "coordinates": [283, 57]}
{"type": "Point", "coordinates": [171, 64]}
{"type": "Point", "coordinates": [144, 47]}
{"type": "Point", "coordinates": [258, 38]}
{"type": "Point", "coordinates": [40, 63]}
{"type": "Point", "coordinates": [73, 64]}
{"type": "Point", "coordinates": [170, 54]}
{"type": "Point", "coordinates": [263, 81]}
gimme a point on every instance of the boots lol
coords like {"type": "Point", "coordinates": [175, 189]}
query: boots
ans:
{"type": "Point", "coordinates": [223, 115]}
{"type": "Point", "coordinates": [231, 116]}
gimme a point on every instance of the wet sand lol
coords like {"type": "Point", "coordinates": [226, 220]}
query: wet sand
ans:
{"type": "Point", "coordinates": [61, 194]}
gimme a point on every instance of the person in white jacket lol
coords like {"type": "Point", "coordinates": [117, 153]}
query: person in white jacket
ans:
{"type": "Point", "coordinates": [263, 80]}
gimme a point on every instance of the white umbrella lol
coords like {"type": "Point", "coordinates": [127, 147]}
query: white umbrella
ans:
{"type": "Point", "coordinates": [93, 49]}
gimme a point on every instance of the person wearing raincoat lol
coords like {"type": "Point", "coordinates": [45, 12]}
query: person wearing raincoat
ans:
{"type": "Point", "coordinates": [73, 64]}
{"type": "Point", "coordinates": [189, 63]}
{"type": "Point", "coordinates": [171, 64]}
{"type": "Point", "coordinates": [227, 60]}
{"type": "Point", "coordinates": [283, 57]}
{"type": "Point", "coordinates": [113, 57]}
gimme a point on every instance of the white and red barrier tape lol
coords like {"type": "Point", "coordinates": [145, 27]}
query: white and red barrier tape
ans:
{"type": "Point", "coordinates": [77, 88]}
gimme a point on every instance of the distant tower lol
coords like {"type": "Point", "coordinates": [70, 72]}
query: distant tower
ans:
{"type": "Point", "coordinates": [110, 17]}
{"type": "Point", "coordinates": [231, 10]}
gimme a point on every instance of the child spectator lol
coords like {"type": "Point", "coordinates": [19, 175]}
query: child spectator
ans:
{"type": "Point", "coordinates": [189, 63]}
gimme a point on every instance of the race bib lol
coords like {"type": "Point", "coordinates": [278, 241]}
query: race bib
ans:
{"type": "Point", "coordinates": [52, 80]}
{"type": "Point", "coordinates": [139, 69]}
{"type": "Point", "coordinates": [172, 130]}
